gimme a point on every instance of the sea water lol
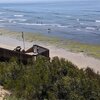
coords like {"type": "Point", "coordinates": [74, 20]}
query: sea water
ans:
{"type": "Point", "coordinates": [75, 20]}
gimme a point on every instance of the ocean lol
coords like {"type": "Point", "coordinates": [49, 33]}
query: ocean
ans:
{"type": "Point", "coordinates": [73, 20]}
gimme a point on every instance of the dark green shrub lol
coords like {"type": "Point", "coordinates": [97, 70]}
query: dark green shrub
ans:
{"type": "Point", "coordinates": [55, 79]}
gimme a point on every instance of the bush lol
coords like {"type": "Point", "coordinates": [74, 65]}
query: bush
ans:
{"type": "Point", "coordinates": [49, 79]}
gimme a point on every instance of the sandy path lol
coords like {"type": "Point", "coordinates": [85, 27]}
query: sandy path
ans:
{"type": "Point", "coordinates": [79, 59]}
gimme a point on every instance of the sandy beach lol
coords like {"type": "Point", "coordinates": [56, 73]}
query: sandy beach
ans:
{"type": "Point", "coordinates": [79, 59]}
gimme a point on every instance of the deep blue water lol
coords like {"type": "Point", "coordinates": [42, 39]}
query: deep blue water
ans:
{"type": "Point", "coordinates": [73, 20]}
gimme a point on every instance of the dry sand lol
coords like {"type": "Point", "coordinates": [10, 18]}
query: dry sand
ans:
{"type": "Point", "coordinates": [3, 93]}
{"type": "Point", "coordinates": [79, 59]}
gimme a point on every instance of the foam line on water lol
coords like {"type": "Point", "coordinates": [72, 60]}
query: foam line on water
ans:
{"type": "Point", "coordinates": [98, 21]}
{"type": "Point", "coordinates": [86, 20]}
{"type": "Point", "coordinates": [19, 15]}
{"type": "Point", "coordinates": [90, 28]}
{"type": "Point", "coordinates": [35, 24]}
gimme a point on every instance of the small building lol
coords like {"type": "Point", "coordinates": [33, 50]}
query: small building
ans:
{"type": "Point", "coordinates": [36, 50]}
{"type": "Point", "coordinates": [24, 56]}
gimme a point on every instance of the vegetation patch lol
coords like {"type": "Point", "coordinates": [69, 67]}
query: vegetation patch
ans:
{"type": "Point", "coordinates": [45, 79]}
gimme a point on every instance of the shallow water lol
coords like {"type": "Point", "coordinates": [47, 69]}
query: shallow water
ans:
{"type": "Point", "coordinates": [73, 20]}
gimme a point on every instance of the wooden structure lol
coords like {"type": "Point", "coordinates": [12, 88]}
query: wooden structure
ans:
{"type": "Point", "coordinates": [24, 56]}
{"type": "Point", "coordinates": [38, 50]}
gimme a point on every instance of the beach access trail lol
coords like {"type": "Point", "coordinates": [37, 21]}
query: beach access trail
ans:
{"type": "Point", "coordinates": [79, 59]}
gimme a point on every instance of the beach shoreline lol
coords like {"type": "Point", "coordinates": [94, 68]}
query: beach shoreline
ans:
{"type": "Point", "coordinates": [78, 58]}
{"type": "Point", "coordinates": [66, 44]}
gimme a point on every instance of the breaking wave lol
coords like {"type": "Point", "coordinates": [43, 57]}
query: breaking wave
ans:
{"type": "Point", "coordinates": [19, 15]}
{"type": "Point", "coordinates": [90, 28]}
{"type": "Point", "coordinates": [98, 21]}
{"type": "Point", "coordinates": [35, 24]}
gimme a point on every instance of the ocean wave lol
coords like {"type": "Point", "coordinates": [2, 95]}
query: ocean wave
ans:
{"type": "Point", "coordinates": [1, 20]}
{"type": "Point", "coordinates": [17, 11]}
{"type": "Point", "coordinates": [31, 24]}
{"type": "Point", "coordinates": [56, 13]}
{"type": "Point", "coordinates": [82, 23]}
{"type": "Point", "coordinates": [40, 24]}
{"type": "Point", "coordinates": [14, 20]}
{"type": "Point", "coordinates": [1, 13]}
{"type": "Point", "coordinates": [62, 26]}
{"type": "Point", "coordinates": [35, 24]}
{"type": "Point", "coordinates": [68, 16]}
{"type": "Point", "coordinates": [18, 15]}
{"type": "Point", "coordinates": [78, 19]}
{"type": "Point", "coordinates": [21, 19]}
{"type": "Point", "coordinates": [1, 26]}
{"type": "Point", "coordinates": [78, 29]}
{"type": "Point", "coordinates": [98, 21]}
{"type": "Point", "coordinates": [90, 28]}
{"type": "Point", "coordinates": [87, 20]}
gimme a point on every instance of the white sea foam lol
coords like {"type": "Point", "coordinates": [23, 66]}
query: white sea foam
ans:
{"type": "Point", "coordinates": [98, 21]}
{"type": "Point", "coordinates": [78, 29]}
{"type": "Point", "coordinates": [56, 25]}
{"type": "Point", "coordinates": [35, 24]}
{"type": "Point", "coordinates": [21, 19]}
{"type": "Point", "coordinates": [81, 23]}
{"type": "Point", "coordinates": [29, 24]}
{"type": "Point", "coordinates": [63, 26]}
{"type": "Point", "coordinates": [90, 28]}
{"type": "Point", "coordinates": [78, 19]}
{"type": "Point", "coordinates": [18, 15]}
{"type": "Point", "coordinates": [14, 20]}
{"type": "Point", "coordinates": [10, 20]}
{"type": "Point", "coordinates": [68, 16]}
{"type": "Point", "coordinates": [85, 20]}
{"type": "Point", "coordinates": [32, 24]}
{"type": "Point", "coordinates": [1, 20]}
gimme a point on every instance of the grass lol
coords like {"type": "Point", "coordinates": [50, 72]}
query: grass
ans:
{"type": "Point", "coordinates": [89, 49]}
{"type": "Point", "coordinates": [92, 50]}
{"type": "Point", "coordinates": [12, 98]}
